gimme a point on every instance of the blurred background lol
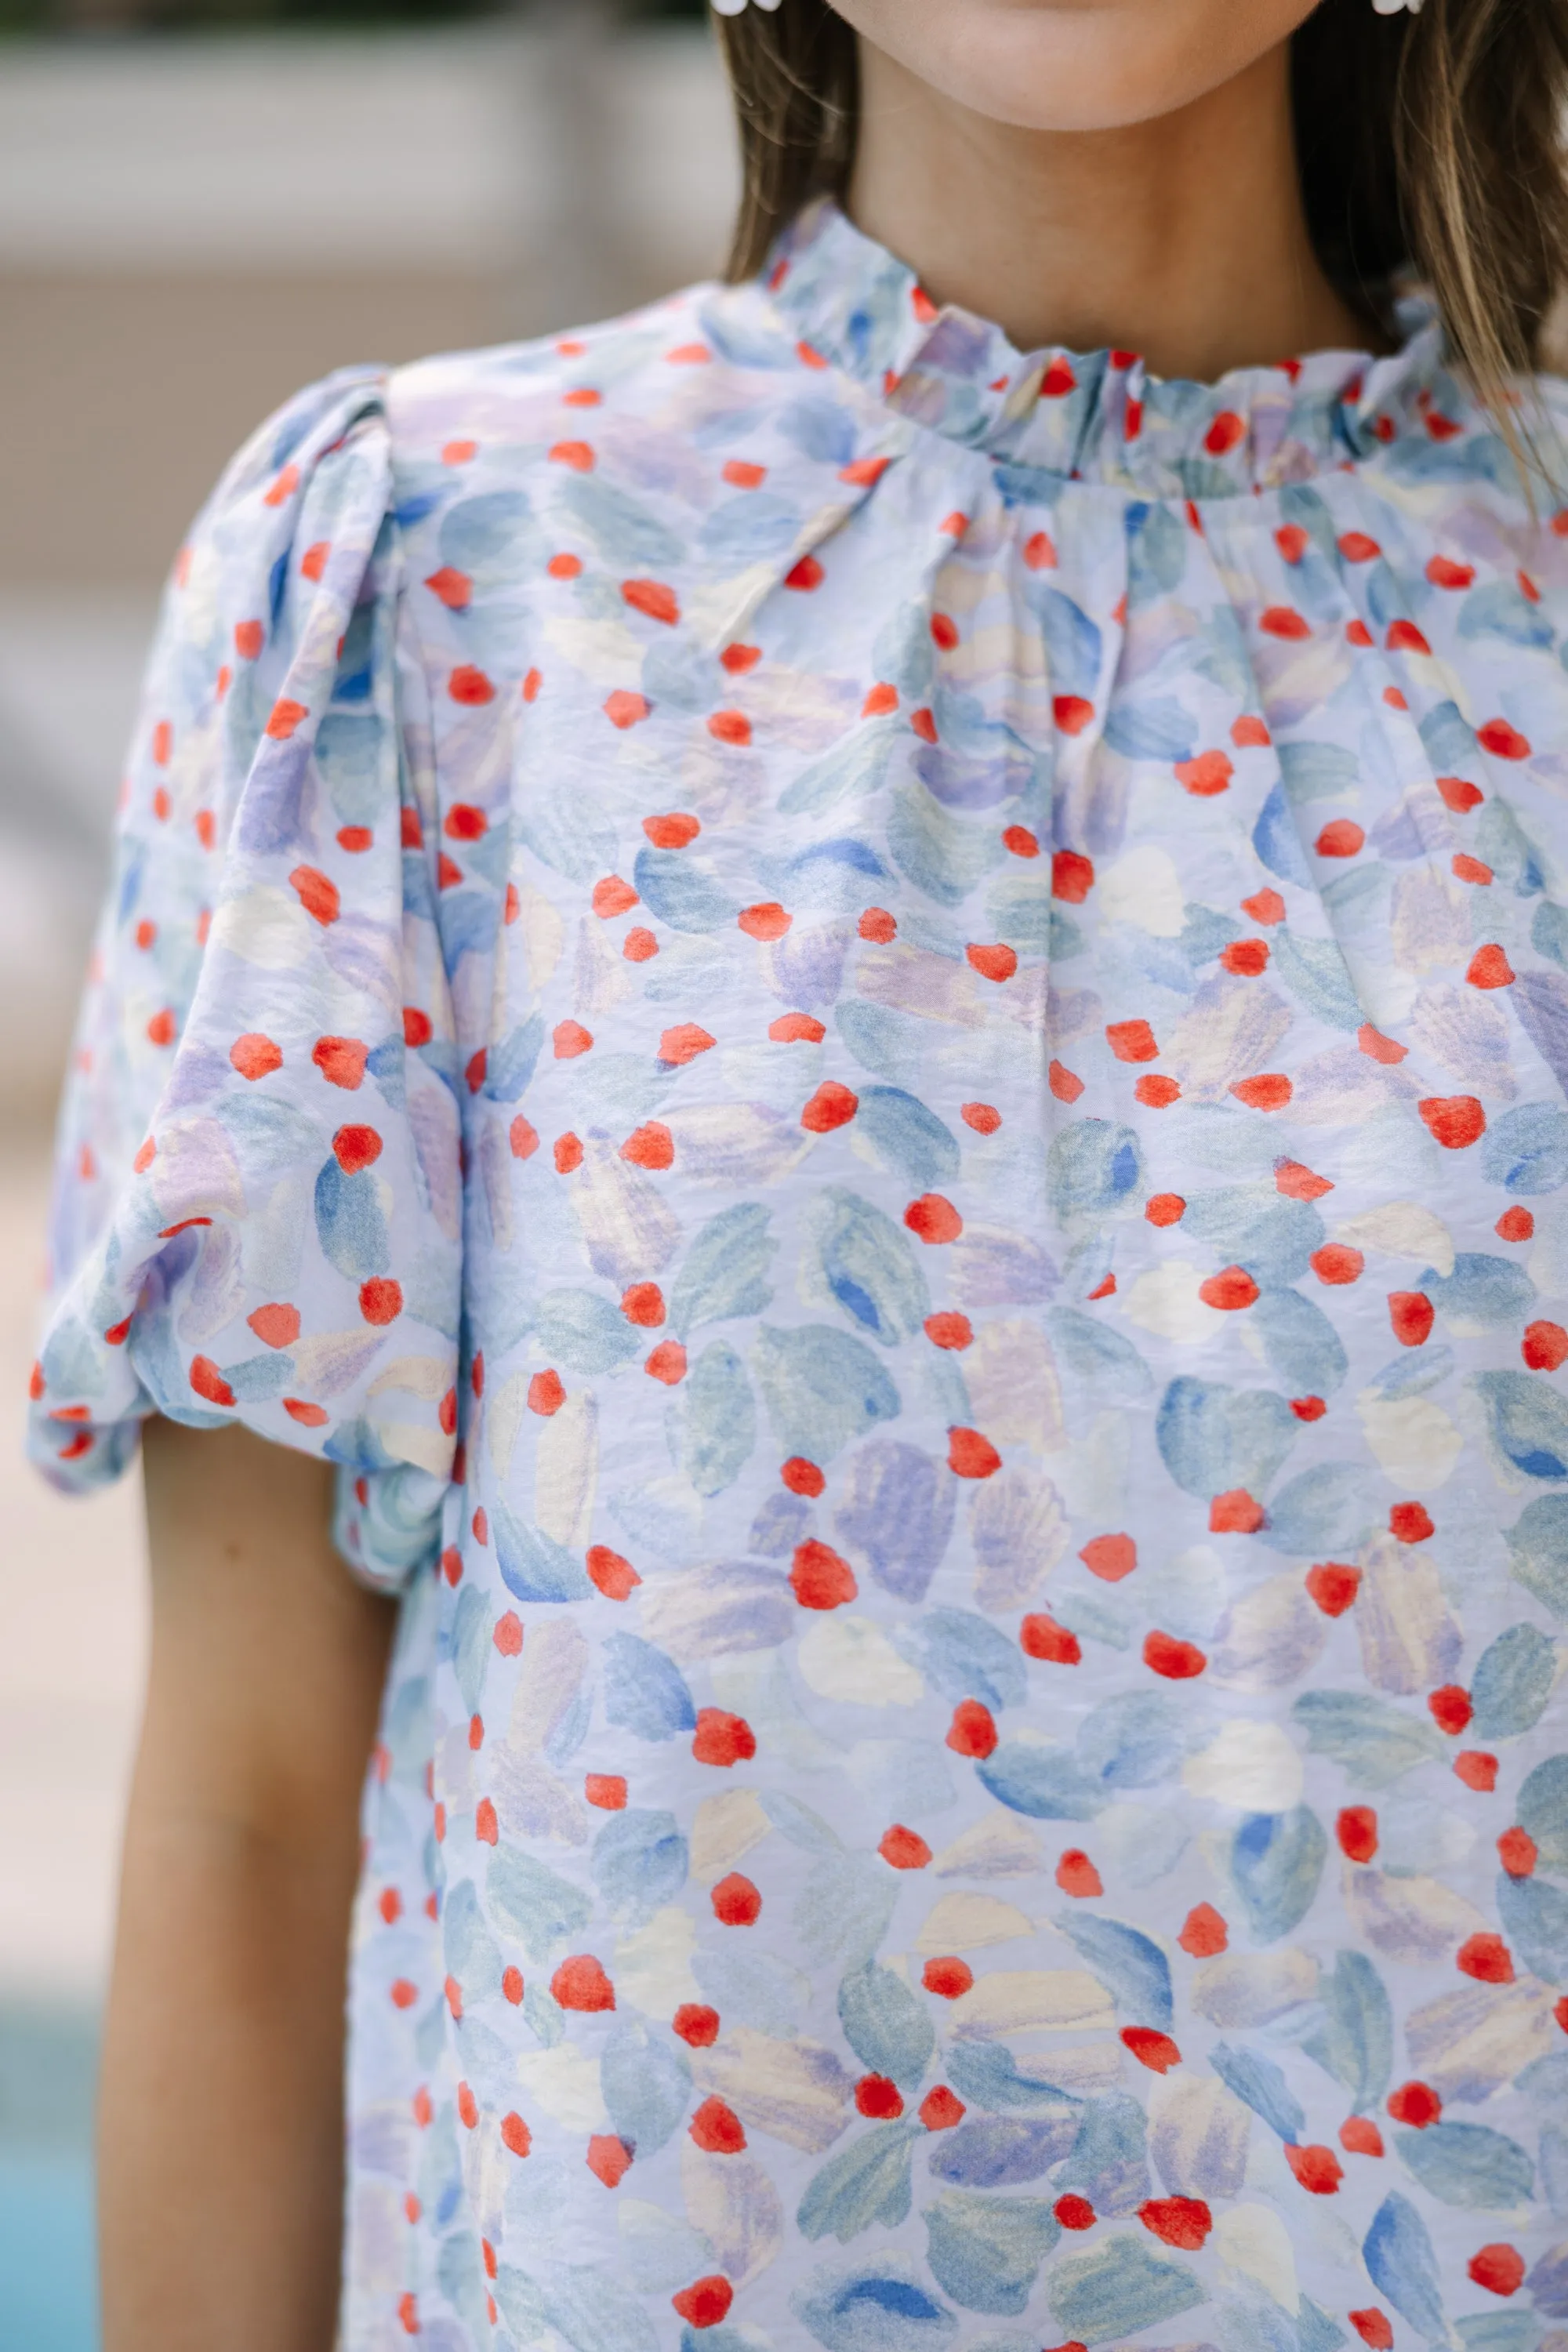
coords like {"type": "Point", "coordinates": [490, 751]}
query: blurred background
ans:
{"type": "Point", "coordinates": [205, 203]}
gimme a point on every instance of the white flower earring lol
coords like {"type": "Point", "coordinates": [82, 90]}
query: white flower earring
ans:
{"type": "Point", "coordinates": [738, 7]}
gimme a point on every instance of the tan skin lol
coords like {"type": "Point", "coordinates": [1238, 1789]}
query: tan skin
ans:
{"type": "Point", "coordinates": [1086, 172]}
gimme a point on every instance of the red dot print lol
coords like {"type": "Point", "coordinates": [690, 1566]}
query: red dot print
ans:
{"type": "Point", "coordinates": [643, 1304]}
{"type": "Point", "coordinates": [275, 1326]}
{"type": "Point", "coordinates": [717, 2128]}
{"type": "Point", "coordinates": [1019, 841]}
{"type": "Point", "coordinates": [1515, 1225]}
{"type": "Point", "coordinates": [1177, 1660]}
{"type": "Point", "coordinates": [1206, 776]}
{"type": "Point", "coordinates": [707, 2304]}
{"type": "Point", "coordinates": [1356, 1829]}
{"type": "Point", "coordinates": [1041, 1637]}
{"type": "Point", "coordinates": [821, 1578]}
{"type": "Point", "coordinates": [1204, 1932]}
{"type": "Point", "coordinates": [515, 2135]}
{"type": "Point", "coordinates": [1503, 742]}
{"type": "Point", "coordinates": [1477, 1770]}
{"type": "Point", "coordinates": [973, 1731]}
{"type": "Point", "coordinates": [607, 1790]}
{"type": "Point", "coordinates": [546, 1393]}
{"type": "Point", "coordinates": [1265, 907]}
{"type": "Point", "coordinates": [651, 1146]}
{"type": "Point", "coordinates": [878, 926]}
{"type": "Point", "coordinates": [1318, 2170]}
{"type": "Point", "coordinates": [1335, 1264]}
{"type": "Point", "coordinates": [971, 1455]}
{"type": "Point", "coordinates": [1332, 1586]}
{"type": "Point", "coordinates": [1455, 1120]}
{"type": "Point", "coordinates": [721, 1738]}
{"type": "Point", "coordinates": [1517, 1852]}
{"type": "Point", "coordinates": [1063, 1084]}
{"type": "Point", "coordinates": [877, 2098]}
{"type": "Point", "coordinates": [696, 2024]}
{"type": "Point", "coordinates": [567, 1154]}
{"type": "Point", "coordinates": [342, 1061]}
{"type": "Point", "coordinates": [580, 1983]}
{"type": "Point", "coordinates": [613, 897]}
{"type": "Point", "coordinates": [1182, 2222]}
{"type": "Point", "coordinates": [940, 2109]}
{"type": "Point", "coordinates": [1544, 1346]}
{"type": "Point", "coordinates": [767, 920]}
{"type": "Point", "coordinates": [994, 964]}
{"type": "Point", "coordinates": [1499, 2268]}
{"type": "Point", "coordinates": [1416, 2104]}
{"type": "Point", "coordinates": [1487, 1959]}
{"type": "Point", "coordinates": [682, 1043]}
{"type": "Point", "coordinates": [1341, 838]}
{"type": "Point", "coordinates": [1450, 1709]}
{"type": "Point", "coordinates": [616, 1578]}
{"type": "Point", "coordinates": [951, 1330]}
{"type": "Point", "coordinates": [666, 1364]}
{"type": "Point", "coordinates": [1236, 1512]}
{"type": "Point", "coordinates": [1165, 1209]}
{"type": "Point", "coordinates": [1297, 1184]}
{"type": "Point", "coordinates": [1077, 1876]}
{"type": "Point", "coordinates": [1109, 1557]}
{"type": "Point", "coordinates": [1411, 1522]}
{"type": "Point", "coordinates": [609, 2159]}
{"type": "Point", "coordinates": [736, 1901]}
{"type": "Point", "coordinates": [1270, 1091]}
{"type": "Point", "coordinates": [949, 1978]}
{"type": "Point", "coordinates": [1071, 713]}
{"type": "Point", "coordinates": [1489, 968]}
{"type": "Point", "coordinates": [984, 1117]}
{"type": "Point", "coordinates": [507, 1634]}
{"type": "Point", "coordinates": [354, 1148]}
{"type": "Point", "coordinates": [1230, 1290]}
{"type": "Point", "coordinates": [1412, 1315]}
{"type": "Point", "coordinates": [802, 1477]}
{"type": "Point", "coordinates": [1359, 2136]}
{"type": "Point", "coordinates": [256, 1056]}
{"type": "Point", "coordinates": [1151, 2049]}
{"type": "Point", "coordinates": [1246, 958]}
{"type": "Point", "coordinates": [1131, 1041]}
{"type": "Point", "coordinates": [1072, 877]}
{"type": "Point", "coordinates": [1283, 621]}
{"type": "Point", "coordinates": [624, 710]}
{"type": "Point", "coordinates": [653, 598]}
{"type": "Point", "coordinates": [934, 1219]}
{"type": "Point", "coordinates": [381, 1299]}
{"type": "Point", "coordinates": [903, 1849]}
{"type": "Point", "coordinates": [832, 1106]}
{"type": "Point", "coordinates": [1374, 2328]}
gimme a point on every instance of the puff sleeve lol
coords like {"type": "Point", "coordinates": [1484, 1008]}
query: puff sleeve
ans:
{"type": "Point", "coordinates": [259, 1204]}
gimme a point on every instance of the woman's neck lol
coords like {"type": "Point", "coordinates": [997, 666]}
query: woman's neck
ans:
{"type": "Point", "coordinates": [1183, 237]}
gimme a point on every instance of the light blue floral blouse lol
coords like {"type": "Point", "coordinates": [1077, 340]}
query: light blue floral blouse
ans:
{"type": "Point", "coordinates": [876, 1034]}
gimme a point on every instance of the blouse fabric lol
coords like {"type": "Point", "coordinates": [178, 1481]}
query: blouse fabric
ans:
{"type": "Point", "coordinates": [876, 1034]}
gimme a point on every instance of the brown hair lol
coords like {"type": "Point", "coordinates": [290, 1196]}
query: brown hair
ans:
{"type": "Point", "coordinates": [1429, 143]}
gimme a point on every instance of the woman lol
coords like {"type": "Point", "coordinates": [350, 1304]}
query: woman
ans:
{"type": "Point", "coordinates": [871, 1033]}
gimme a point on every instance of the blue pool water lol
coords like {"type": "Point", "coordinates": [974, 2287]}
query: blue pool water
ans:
{"type": "Point", "coordinates": [48, 2285]}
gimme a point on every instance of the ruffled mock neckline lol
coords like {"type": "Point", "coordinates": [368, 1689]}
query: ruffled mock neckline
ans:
{"type": "Point", "coordinates": [1101, 416]}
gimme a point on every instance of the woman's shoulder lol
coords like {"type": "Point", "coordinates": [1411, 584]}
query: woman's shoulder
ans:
{"type": "Point", "coordinates": [664, 374]}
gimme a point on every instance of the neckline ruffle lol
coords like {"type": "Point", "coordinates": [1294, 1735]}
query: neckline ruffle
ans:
{"type": "Point", "coordinates": [1103, 416]}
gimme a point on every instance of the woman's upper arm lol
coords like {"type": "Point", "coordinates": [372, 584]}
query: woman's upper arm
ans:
{"type": "Point", "coordinates": [267, 1659]}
